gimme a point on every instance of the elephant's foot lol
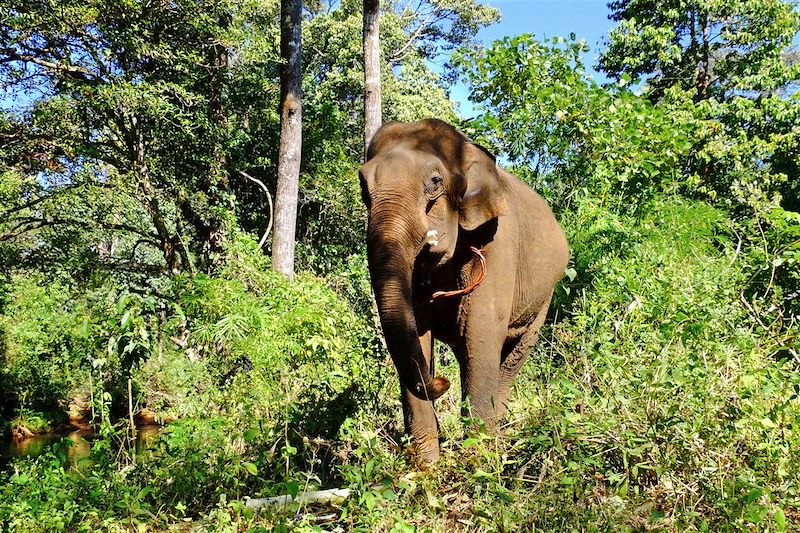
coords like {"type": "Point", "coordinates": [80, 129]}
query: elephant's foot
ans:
{"type": "Point", "coordinates": [425, 452]}
{"type": "Point", "coordinates": [483, 415]}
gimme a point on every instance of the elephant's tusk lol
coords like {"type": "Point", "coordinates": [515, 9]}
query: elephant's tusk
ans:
{"type": "Point", "coordinates": [432, 237]}
{"type": "Point", "coordinates": [472, 286]}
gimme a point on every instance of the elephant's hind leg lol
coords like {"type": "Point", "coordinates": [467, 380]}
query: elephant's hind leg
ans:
{"type": "Point", "coordinates": [514, 355]}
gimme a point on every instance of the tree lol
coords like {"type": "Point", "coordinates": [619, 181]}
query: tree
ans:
{"type": "Point", "coordinates": [729, 65]}
{"type": "Point", "coordinates": [372, 70]}
{"type": "Point", "coordinates": [283, 242]}
{"type": "Point", "coordinates": [716, 48]}
{"type": "Point", "coordinates": [333, 113]}
{"type": "Point", "coordinates": [734, 59]}
{"type": "Point", "coordinates": [433, 27]}
{"type": "Point", "coordinates": [104, 93]}
{"type": "Point", "coordinates": [565, 133]}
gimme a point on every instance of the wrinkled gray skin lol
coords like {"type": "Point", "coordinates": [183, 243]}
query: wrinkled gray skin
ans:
{"type": "Point", "coordinates": [425, 176]}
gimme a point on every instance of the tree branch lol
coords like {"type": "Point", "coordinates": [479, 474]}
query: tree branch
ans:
{"type": "Point", "coordinates": [73, 71]}
{"type": "Point", "coordinates": [59, 221]}
{"type": "Point", "coordinates": [400, 53]}
{"type": "Point", "coordinates": [269, 199]}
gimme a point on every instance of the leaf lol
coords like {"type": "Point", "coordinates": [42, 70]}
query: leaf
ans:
{"type": "Point", "coordinates": [293, 489]}
{"type": "Point", "coordinates": [767, 423]}
{"type": "Point", "coordinates": [753, 495]}
{"type": "Point", "coordinates": [470, 442]}
{"type": "Point", "coordinates": [756, 513]}
{"type": "Point", "coordinates": [250, 435]}
{"type": "Point", "coordinates": [504, 495]}
{"type": "Point", "coordinates": [433, 501]}
{"type": "Point", "coordinates": [483, 514]}
{"type": "Point", "coordinates": [251, 468]}
{"type": "Point", "coordinates": [483, 475]}
{"type": "Point", "coordinates": [780, 519]}
{"type": "Point", "coordinates": [656, 515]}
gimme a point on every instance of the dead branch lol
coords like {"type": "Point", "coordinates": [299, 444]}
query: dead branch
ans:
{"type": "Point", "coordinates": [269, 199]}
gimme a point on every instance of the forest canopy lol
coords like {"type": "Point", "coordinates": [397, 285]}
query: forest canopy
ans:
{"type": "Point", "coordinates": [138, 160]}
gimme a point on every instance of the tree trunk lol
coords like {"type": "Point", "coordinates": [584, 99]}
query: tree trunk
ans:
{"type": "Point", "coordinates": [218, 224]}
{"type": "Point", "coordinates": [372, 70]}
{"type": "Point", "coordinates": [171, 247]}
{"type": "Point", "coordinates": [291, 141]}
{"type": "Point", "coordinates": [704, 72]}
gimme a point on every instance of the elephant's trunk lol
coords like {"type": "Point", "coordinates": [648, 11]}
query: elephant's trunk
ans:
{"type": "Point", "coordinates": [392, 249]}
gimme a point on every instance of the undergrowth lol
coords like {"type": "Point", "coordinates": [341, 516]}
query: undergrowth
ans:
{"type": "Point", "coordinates": [653, 402]}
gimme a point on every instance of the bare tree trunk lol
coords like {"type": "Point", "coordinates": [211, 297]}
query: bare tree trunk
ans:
{"type": "Point", "coordinates": [372, 96]}
{"type": "Point", "coordinates": [372, 70]}
{"type": "Point", "coordinates": [291, 141]}
{"type": "Point", "coordinates": [218, 227]}
{"type": "Point", "coordinates": [175, 254]}
{"type": "Point", "coordinates": [704, 74]}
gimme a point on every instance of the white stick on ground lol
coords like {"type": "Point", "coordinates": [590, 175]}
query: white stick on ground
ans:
{"type": "Point", "coordinates": [316, 496]}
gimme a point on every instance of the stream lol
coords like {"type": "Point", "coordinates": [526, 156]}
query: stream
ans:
{"type": "Point", "coordinates": [79, 449]}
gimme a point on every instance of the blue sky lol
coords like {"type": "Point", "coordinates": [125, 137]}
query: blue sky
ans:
{"type": "Point", "coordinates": [588, 19]}
{"type": "Point", "coordinates": [550, 18]}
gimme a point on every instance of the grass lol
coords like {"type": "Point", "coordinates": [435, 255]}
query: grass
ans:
{"type": "Point", "coordinates": [652, 403]}
{"type": "Point", "coordinates": [32, 421]}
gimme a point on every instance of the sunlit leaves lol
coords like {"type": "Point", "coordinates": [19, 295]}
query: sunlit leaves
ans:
{"type": "Point", "coordinates": [737, 43]}
{"type": "Point", "coordinates": [543, 113]}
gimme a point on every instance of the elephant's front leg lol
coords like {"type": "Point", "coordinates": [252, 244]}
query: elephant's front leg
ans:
{"type": "Point", "coordinates": [480, 372]}
{"type": "Point", "coordinates": [419, 416]}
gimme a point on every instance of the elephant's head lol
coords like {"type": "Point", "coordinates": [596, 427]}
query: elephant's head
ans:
{"type": "Point", "coordinates": [422, 183]}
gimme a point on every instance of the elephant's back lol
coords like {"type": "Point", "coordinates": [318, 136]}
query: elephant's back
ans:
{"type": "Point", "coordinates": [541, 248]}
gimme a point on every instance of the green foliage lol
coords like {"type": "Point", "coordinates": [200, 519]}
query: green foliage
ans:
{"type": "Point", "coordinates": [567, 133]}
{"type": "Point", "coordinates": [664, 396]}
{"type": "Point", "coordinates": [571, 137]}
{"type": "Point", "coordinates": [241, 429]}
{"type": "Point", "coordinates": [651, 390]}
{"type": "Point", "coordinates": [662, 393]}
{"type": "Point", "coordinates": [719, 48]}
{"type": "Point", "coordinates": [118, 86]}
{"type": "Point", "coordinates": [41, 347]}
{"type": "Point", "coordinates": [437, 26]}
{"type": "Point", "coordinates": [734, 61]}
{"type": "Point", "coordinates": [333, 88]}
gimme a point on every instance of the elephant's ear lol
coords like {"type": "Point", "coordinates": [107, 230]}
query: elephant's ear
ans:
{"type": "Point", "coordinates": [484, 198]}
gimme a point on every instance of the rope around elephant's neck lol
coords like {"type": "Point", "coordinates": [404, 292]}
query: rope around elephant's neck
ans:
{"type": "Point", "coordinates": [472, 286]}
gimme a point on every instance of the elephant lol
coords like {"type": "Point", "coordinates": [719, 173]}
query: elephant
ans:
{"type": "Point", "coordinates": [459, 251]}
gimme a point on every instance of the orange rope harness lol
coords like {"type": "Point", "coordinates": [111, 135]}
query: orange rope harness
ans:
{"type": "Point", "coordinates": [472, 286]}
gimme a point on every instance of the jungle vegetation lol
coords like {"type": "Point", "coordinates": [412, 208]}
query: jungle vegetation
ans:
{"type": "Point", "coordinates": [137, 140]}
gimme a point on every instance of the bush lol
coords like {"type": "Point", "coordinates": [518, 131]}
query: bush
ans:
{"type": "Point", "coordinates": [655, 403]}
{"type": "Point", "coordinates": [40, 347]}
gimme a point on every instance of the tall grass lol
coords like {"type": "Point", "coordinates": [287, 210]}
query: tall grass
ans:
{"type": "Point", "coordinates": [652, 403]}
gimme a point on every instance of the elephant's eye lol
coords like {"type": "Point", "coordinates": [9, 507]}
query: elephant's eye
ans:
{"type": "Point", "coordinates": [434, 187]}
{"type": "Point", "coordinates": [364, 192]}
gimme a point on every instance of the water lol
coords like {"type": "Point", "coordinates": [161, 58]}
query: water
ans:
{"type": "Point", "coordinates": [79, 449]}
